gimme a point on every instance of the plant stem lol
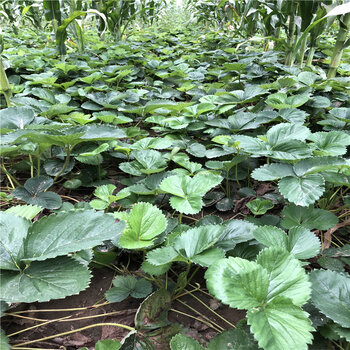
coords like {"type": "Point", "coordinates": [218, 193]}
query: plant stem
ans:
{"type": "Point", "coordinates": [98, 168]}
{"type": "Point", "coordinates": [180, 218]}
{"type": "Point", "coordinates": [211, 310]}
{"type": "Point", "coordinates": [193, 274]}
{"type": "Point", "coordinates": [62, 319]}
{"type": "Point", "coordinates": [302, 51]}
{"type": "Point", "coordinates": [310, 56]}
{"type": "Point", "coordinates": [31, 166]}
{"type": "Point", "coordinates": [66, 162]}
{"type": "Point", "coordinates": [75, 331]}
{"type": "Point", "coordinates": [196, 318]}
{"type": "Point", "coordinates": [227, 185]}
{"type": "Point", "coordinates": [339, 46]}
{"type": "Point", "coordinates": [4, 84]}
{"type": "Point", "coordinates": [291, 34]}
{"type": "Point", "coordinates": [249, 171]}
{"type": "Point", "coordinates": [209, 322]}
{"type": "Point", "coordinates": [10, 177]}
{"type": "Point", "coordinates": [236, 175]}
{"type": "Point", "coordinates": [36, 326]}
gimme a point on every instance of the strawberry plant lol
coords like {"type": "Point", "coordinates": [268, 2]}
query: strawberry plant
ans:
{"type": "Point", "coordinates": [273, 289]}
{"type": "Point", "coordinates": [192, 171]}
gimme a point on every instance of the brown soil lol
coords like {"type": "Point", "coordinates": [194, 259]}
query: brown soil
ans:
{"type": "Point", "coordinates": [123, 313]}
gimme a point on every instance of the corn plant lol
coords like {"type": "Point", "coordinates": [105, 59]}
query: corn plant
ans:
{"type": "Point", "coordinates": [342, 11]}
{"type": "Point", "coordinates": [341, 43]}
{"type": "Point", "coordinates": [119, 15]}
{"type": "Point", "coordinates": [4, 84]}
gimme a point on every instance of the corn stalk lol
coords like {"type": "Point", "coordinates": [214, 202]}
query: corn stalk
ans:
{"type": "Point", "coordinates": [343, 10]}
{"type": "Point", "coordinates": [52, 11]}
{"type": "Point", "coordinates": [340, 44]}
{"type": "Point", "coordinates": [4, 83]}
{"type": "Point", "coordinates": [316, 32]}
{"type": "Point", "coordinates": [291, 33]}
{"type": "Point", "coordinates": [61, 32]}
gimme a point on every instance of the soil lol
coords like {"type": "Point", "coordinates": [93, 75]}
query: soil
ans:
{"type": "Point", "coordinates": [122, 313]}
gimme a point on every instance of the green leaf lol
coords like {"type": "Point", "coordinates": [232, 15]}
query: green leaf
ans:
{"type": "Point", "coordinates": [52, 10]}
{"type": "Point", "coordinates": [66, 232]}
{"type": "Point", "coordinates": [144, 223]}
{"type": "Point", "coordinates": [38, 184]}
{"type": "Point", "coordinates": [331, 295]}
{"type": "Point", "coordinates": [287, 278]}
{"type": "Point", "coordinates": [54, 167]}
{"type": "Point", "coordinates": [183, 342]}
{"type": "Point", "coordinates": [308, 78]}
{"type": "Point", "coordinates": [237, 282]}
{"type": "Point", "coordinates": [44, 280]}
{"type": "Point", "coordinates": [289, 150]}
{"type": "Point", "coordinates": [98, 150]}
{"type": "Point", "coordinates": [236, 231]}
{"type": "Point", "coordinates": [270, 172]}
{"type": "Point", "coordinates": [14, 230]}
{"type": "Point", "coordinates": [105, 192]}
{"type": "Point", "coordinates": [4, 342]}
{"type": "Point", "coordinates": [259, 206]}
{"type": "Point", "coordinates": [154, 270]}
{"type": "Point", "coordinates": [151, 142]}
{"type": "Point", "coordinates": [271, 236]}
{"type": "Point", "coordinates": [3, 308]}
{"type": "Point", "coordinates": [48, 200]}
{"type": "Point", "coordinates": [72, 184]}
{"type": "Point", "coordinates": [342, 332]}
{"type": "Point", "coordinates": [153, 311]}
{"type": "Point", "coordinates": [196, 240]}
{"type": "Point", "coordinates": [100, 132]}
{"type": "Point", "coordinates": [280, 325]}
{"type": "Point", "coordinates": [147, 162]}
{"type": "Point", "coordinates": [232, 339]}
{"type": "Point", "coordinates": [152, 161]}
{"type": "Point", "coordinates": [15, 117]}
{"type": "Point", "coordinates": [286, 132]}
{"type": "Point", "coordinates": [44, 94]}
{"type": "Point", "coordinates": [189, 191]}
{"type": "Point", "coordinates": [33, 193]}
{"type": "Point", "coordinates": [58, 109]}
{"type": "Point", "coordinates": [209, 256]}
{"type": "Point", "coordinates": [293, 115]}
{"type": "Point", "coordinates": [301, 242]}
{"type": "Point", "coordinates": [108, 344]}
{"type": "Point", "coordinates": [98, 204]}
{"type": "Point", "coordinates": [310, 218]}
{"type": "Point", "coordinates": [175, 185]}
{"type": "Point", "coordinates": [280, 100]}
{"type": "Point", "coordinates": [161, 256]}
{"type": "Point", "coordinates": [28, 212]}
{"type": "Point", "coordinates": [128, 285]}
{"type": "Point", "coordinates": [278, 143]}
{"type": "Point", "coordinates": [61, 31]}
{"type": "Point", "coordinates": [304, 190]}
{"type": "Point", "coordinates": [318, 164]}
{"type": "Point", "coordinates": [329, 263]}
{"type": "Point", "coordinates": [192, 245]}
{"type": "Point", "coordinates": [134, 341]}
{"type": "Point", "coordinates": [191, 204]}
{"type": "Point", "coordinates": [339, 10]}
{"type": "Point", "coordinates": [196, 149]}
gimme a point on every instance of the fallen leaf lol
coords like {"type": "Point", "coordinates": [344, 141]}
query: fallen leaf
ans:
{"type": "Point", "coordinates": [328, 235]}
{"type": "Point", "coordinates": [77, 339]}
